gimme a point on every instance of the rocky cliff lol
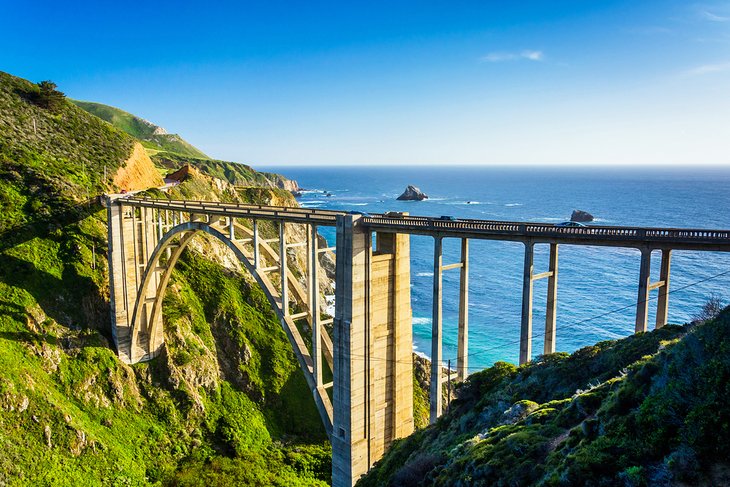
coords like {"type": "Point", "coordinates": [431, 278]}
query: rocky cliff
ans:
{"type": "Point", "coordinates": [226, 402]}
{"type": "Point", "coordinates": [648, 410]}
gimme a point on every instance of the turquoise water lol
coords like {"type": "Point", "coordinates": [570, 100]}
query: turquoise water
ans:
{"type": "Point", "coordinates": [597, 285]}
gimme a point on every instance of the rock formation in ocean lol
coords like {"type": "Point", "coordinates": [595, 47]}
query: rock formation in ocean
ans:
{"type": "Point", "coordinates": [412, 193]}
{"type": "Point", "coordinates": [581, 216]}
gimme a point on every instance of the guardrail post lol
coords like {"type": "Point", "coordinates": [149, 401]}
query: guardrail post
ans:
{"type": "Point", "coordinates": [552, 301]}
{"type": "Point", "coordinates": [526, 325]}
{"type": "Point", "coordinates": [462, 360]}
{"type": "Point", "coordinates": [436, 379]}
{"type": "Point", "coordinates": [642, 301]}
{"type": "Point", "coordinates": [663, 300]}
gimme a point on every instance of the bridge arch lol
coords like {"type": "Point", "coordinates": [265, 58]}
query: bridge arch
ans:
{"type": "Point", "coordinates": [186, 232]}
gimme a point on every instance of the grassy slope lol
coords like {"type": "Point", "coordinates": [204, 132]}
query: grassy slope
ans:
{"type": "Point", "coordinates": [171, 152]}
{"type": "Point", "coordinates": [236, 173]}
{"type": "Point", "coordinates": [142, 129]}
{"type": "Point", "coordinates": [70, 412]}
{"type": "Point", "coordinates": [651, 409]}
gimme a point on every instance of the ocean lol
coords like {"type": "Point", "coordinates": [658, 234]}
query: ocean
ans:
{"type": "Point", "coordinates": [597, 288]}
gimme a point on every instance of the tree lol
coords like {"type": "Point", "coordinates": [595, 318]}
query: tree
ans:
{"type": "Point", "coordinates": [49, 97]}
{"type": "Point", "coordinates": [711, 308]}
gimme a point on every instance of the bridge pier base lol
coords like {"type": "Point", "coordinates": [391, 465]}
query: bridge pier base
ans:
{"type": "Point", "coordinates": [373, 364]}
{"type": "Point", "coordinates": [528, 278]}
{"type": "Point", "coordinates": [526, 324]}
{"type": "Point", "coordinates": [646, 286]}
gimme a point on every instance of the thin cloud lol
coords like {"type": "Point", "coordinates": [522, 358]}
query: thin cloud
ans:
{"type": "Point", "coordinates": [708, 69]}
{"type": "Point", "coordinates": [497, 57]}
{"type": "Point", "coordinates": [707, 15]}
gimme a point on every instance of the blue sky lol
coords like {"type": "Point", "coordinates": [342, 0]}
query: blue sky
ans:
{"type": "Point", "coordinates": [273, 83]}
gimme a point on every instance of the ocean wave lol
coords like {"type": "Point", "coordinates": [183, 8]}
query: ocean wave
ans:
{"type": "Point", "coordinates": [421, 321]}
{"type": "Point", "coordinates": [358, 204]}
{"type": "Point", "coordinates": [513, 204]}
{"type": "Point", "coordinates": [424, 274]}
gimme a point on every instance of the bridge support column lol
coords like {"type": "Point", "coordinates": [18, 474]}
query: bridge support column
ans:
{"type": "Point", "coordinates": [642, 301]}
{"type": "Point", "coordinates": [313, 288]}
{"type": "Point", "coordinates": [436, 332]}
{"type": "Point", "coordinates": [373, 368]}
{"type": "Point", "coordinates": [526, 325]}
{"type": "Point", "coordinates": [118, 225]}
{"type": "Point", "coordinates": [283, 269]}
{"type": "Point", "coordinates": [552, 301]}
{"type": "Point", "coordinates": [256, 261]}
{"type": "Point", "coordinates": [663, 300]}
{"type": "Point", "coordinates": [462, 354]}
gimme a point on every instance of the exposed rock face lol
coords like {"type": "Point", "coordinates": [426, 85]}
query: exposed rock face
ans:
{"type": "Point", "coordinates": [181, 174]}
{"type": "Point", "coordinates": [581, 216]}
{"type": "Point", "coordinates": [412, 193]}
{"type": "Point", "coordinates": [138, 171]}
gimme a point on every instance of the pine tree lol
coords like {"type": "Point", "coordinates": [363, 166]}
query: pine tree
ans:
{"type": "Point", "coordinates": [49, 97]}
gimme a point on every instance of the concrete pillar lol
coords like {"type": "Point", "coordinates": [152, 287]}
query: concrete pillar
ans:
{"type": "Point", "coordinates": [663, 300]}
{"type": "Point", "coordinates": [373, 374]}
{"type": "Point", "coordinates": [231, 229]}
{"type": "Point", "coordinates": [283, 270]}
{"type": "Point", "coordinates": [436, 332]}
{"type": "Point", "coordinates": [526, 326]}
{"type": "Point", "coordinates": [313, 264]}
{"type": "Point", "coordinates": [552, 301]}
{"type": "Point", "coordinates": [642, 301]}
{"type": "Point", "coordinates": [117, 280]}
{"type": "Point", "coordinates": [462, 360]}
{"type": "Point", "coordinates": [256, 259]}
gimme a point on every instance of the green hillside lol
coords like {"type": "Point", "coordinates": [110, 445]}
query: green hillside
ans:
{"type": "Point", "coordinates": [648, 410]}
{"type": "Point", "coordinates": [170, 151]}
{"type": "Point", "coordinates": [70, 412]}
{"type": "Point", "coordinates": [152, 136]}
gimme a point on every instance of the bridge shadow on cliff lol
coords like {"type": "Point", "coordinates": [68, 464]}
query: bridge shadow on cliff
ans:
{"type": "Point", "coordinates": [38, 225]}
{"type": "Point", "coordinates": [73, 300]}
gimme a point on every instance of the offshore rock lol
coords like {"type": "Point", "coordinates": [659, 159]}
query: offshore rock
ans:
{"type": "Point", "coordinates": [412, 193]}
{"type": "Point", "coordinates": [581, 216]}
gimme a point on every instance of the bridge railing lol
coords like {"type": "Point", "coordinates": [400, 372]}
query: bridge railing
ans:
{"type": "Point", "coordinates": [422, 224]}
{"type": "Point", "coordinates": [526, 229]}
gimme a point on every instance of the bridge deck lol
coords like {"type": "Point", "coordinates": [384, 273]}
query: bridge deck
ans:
{"type": "Point", "coordinates": [616, 236]}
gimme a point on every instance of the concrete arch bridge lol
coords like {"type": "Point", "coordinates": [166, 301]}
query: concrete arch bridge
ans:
{"type": "Point", "coordinates": [369, 402]}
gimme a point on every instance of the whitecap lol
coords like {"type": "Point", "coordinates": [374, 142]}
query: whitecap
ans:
{"type": "Point", "coordinates": [424, 274]}
{"type": "Point", "coordinates": [513, 204]}
{"type": "Point", "coordinates": [421, 321]}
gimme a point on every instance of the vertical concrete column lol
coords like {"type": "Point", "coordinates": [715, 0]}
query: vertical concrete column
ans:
{"type": "Point", "coordinates": [282, 269]}
{"type": "Point", "coordinates": [373, 364]}
{"type": "Point", "coordinates": [160, 228]}
{"type": "Point", "coordinates": [663, 300]}
{"type": "Point", "coordinates": [526, 326]}
{"type": "Point", "coordinates": [350, 389]}
{"type": "Point", "coordinates": [313, 264]}
{"type": "Point", "coordinates": [231, 229]}
{"type": "Point", "coordinates": [117, 280]}
{"type": "Point", "coordinates": [436, 332]}
{"type": "Point", "coordinates": [402, 348]}
{"type": "Point", "coordinates": [642, 301]}
{"type": "Point", "coordinates": [462, 360]}
{"type": "Point", "coordinates": [154, 343]}
{"type": "Point", "coordinates": [552, 301]}
{"type": "Point", "coordinates": [256, 244]}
